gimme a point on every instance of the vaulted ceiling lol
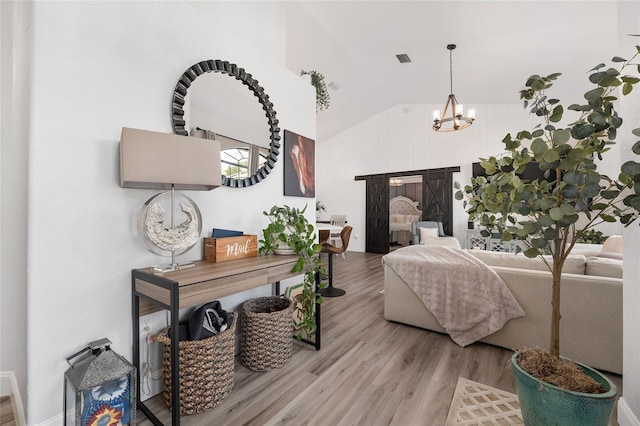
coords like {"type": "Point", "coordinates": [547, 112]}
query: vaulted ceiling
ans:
{"type": "Point", "coordinates": [499, 44]}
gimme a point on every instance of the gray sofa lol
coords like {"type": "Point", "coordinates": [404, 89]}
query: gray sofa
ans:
{"type": "Point", "coordinates": [591, 306]}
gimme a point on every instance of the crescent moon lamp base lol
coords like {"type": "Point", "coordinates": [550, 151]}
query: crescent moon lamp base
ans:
{"type": "Point", "coordinates": [173, 235]}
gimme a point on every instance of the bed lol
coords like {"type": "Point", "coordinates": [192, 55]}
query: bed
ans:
{"type": "Point", "coordinates": [591, 331]}
{"type": "Point", "coordinates": [403, 212]}
{"type": "Point", "coordinates": [455, 292]}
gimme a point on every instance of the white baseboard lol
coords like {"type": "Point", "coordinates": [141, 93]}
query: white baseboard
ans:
{"type": "Point", "coordinates": [626, 417]}
{"type": "Point", "coordinates": [53, 421]}
{"type": "Point", "coordinates": [9, 387]}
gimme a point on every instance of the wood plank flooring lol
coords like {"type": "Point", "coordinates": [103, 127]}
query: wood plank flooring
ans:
{"type": "Point", "coordinates": [6, 412]}
{"type": "Point", "coordinates": [369, 371]}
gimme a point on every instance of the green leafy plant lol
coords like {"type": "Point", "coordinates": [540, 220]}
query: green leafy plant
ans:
{"type": "Point", "coordinates": [288, 227]}
{"type": "Point", "coordinates": [591, 236]}
{"type": "Point", "coordinates": [544, 214]}
{"type": "Point", "coordinates": [322, 93]}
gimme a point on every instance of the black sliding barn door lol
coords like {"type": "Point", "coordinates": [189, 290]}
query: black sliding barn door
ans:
{"type": "Point", "coordinates": [377, 222]}
{"type": "Point", "coordinates": [437, 196]}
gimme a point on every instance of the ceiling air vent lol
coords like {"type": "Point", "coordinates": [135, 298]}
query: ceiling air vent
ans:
{"type": "Point", "coordinates": [403, 58]}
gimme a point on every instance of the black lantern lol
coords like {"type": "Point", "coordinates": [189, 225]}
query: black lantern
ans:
{"type": "Point", "coordinates": [99, 388]}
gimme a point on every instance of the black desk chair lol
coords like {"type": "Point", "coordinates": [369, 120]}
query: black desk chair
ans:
{"type": "Point", "coordinates": [330, 249]}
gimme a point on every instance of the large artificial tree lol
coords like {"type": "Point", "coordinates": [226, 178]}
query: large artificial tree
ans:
{"type": "Point", "coordinates": [549, 215]}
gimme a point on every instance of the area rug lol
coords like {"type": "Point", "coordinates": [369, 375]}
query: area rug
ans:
{"type": "Point", "coordinates": [477, 404]}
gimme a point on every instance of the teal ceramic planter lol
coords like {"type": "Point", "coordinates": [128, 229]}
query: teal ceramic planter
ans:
{"type": "Point", "coordinates": [543, 404]}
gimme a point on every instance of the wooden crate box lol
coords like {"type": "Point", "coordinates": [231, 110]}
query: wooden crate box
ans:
{"type": "Point", "coordinates": [230, 248]}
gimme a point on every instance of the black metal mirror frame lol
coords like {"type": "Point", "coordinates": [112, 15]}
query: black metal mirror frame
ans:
{"type": "Point", "coordinates": [232, 70]}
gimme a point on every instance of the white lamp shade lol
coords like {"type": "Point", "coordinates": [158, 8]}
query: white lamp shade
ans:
{"type": "Point", "coordinates": [156, 160]}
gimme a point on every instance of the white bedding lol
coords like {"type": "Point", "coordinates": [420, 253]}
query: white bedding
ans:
{"type": "Point", "coordinates": [469, 300]}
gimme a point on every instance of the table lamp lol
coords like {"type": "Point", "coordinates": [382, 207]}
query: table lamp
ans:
{"type": "Point", "coordinates": [154, 160]}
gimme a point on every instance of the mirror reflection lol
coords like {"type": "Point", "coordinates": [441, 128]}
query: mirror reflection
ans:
{"type": "Point", "coordinates": [405, 200]}
{"type": "Point", "coordinates": [221, 104]}
{"type": "Point", "coordinates": [218, 100]}
{"type": "Point", "coordinates": [239, 159]}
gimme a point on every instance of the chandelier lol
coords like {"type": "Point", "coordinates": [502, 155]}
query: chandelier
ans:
{"type": "Point", "coordinates": [457, 120]}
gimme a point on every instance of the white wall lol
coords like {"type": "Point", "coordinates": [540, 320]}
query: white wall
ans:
{"type": "Point", "coordinates": [629, 404]}
{"type": "Point", "coordinates": [401, 138]}
{"type": "Point", "coordinates": [14, 133]}
{"type": "Point", "coordinates": [96, 67]}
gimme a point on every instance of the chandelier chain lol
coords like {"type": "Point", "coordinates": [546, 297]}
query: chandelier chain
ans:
{"type": "Point", "coordinates": [451, 71]}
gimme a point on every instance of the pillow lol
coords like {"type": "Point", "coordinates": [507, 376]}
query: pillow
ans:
{"type": "Point", "coordinates": [394, 218]}
{"type": "Point", "coordinates": [574, 264]}
{"type": "Point", "coordinates": [428, 232]}
{"type": "Point", "coordinates": [609, 255]}
{"type": "Point", "coordinates": [440, 241]}
{"type": "Point", "coordinates": [604, 267]}
{"type": "Point", "coordinates": [613, 244]}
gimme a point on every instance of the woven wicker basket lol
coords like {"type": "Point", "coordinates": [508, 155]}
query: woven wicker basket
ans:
{"type": "Point", "coordinates": [206, 369]}
{"type": "Point", "coordinates": [267, 333]}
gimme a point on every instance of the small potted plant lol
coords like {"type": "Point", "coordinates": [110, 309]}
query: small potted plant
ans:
{"type": "Point", "coordinates": [289, 229]}
{"type": "Point", "coordinates": [544, 216]}
{"type": "Point", "coordinates": [322, 93]}
{"type": "Point", "coordinates": [591, 236]}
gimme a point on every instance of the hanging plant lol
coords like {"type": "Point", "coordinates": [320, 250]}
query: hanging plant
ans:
{"type": "Point", "coordinates": [322, 93]}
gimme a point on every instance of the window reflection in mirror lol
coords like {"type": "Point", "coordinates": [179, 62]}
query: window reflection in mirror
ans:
{"type": "Point", "coordinates": [239, 159]}
{"type": "Point", "coordinates": [221, 104]}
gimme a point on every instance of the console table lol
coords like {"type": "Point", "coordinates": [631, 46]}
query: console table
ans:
{"type": "Point", "coordinates": [204, 282]}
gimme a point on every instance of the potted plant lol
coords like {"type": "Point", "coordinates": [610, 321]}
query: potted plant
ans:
{"type": "Point", "coordinates": [289, 227]}
{"type": "Point", "coordinates": [322, 93]}
{"type": "Point", "coordinates": [591, 236]}
{"type": "Point", "coordinates": [544, 214]}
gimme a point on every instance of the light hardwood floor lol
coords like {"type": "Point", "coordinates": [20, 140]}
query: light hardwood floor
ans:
{"type": "Point", "coordinates": [6, 412]}
{"type": "Point", "coordinates": [368, 372]}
